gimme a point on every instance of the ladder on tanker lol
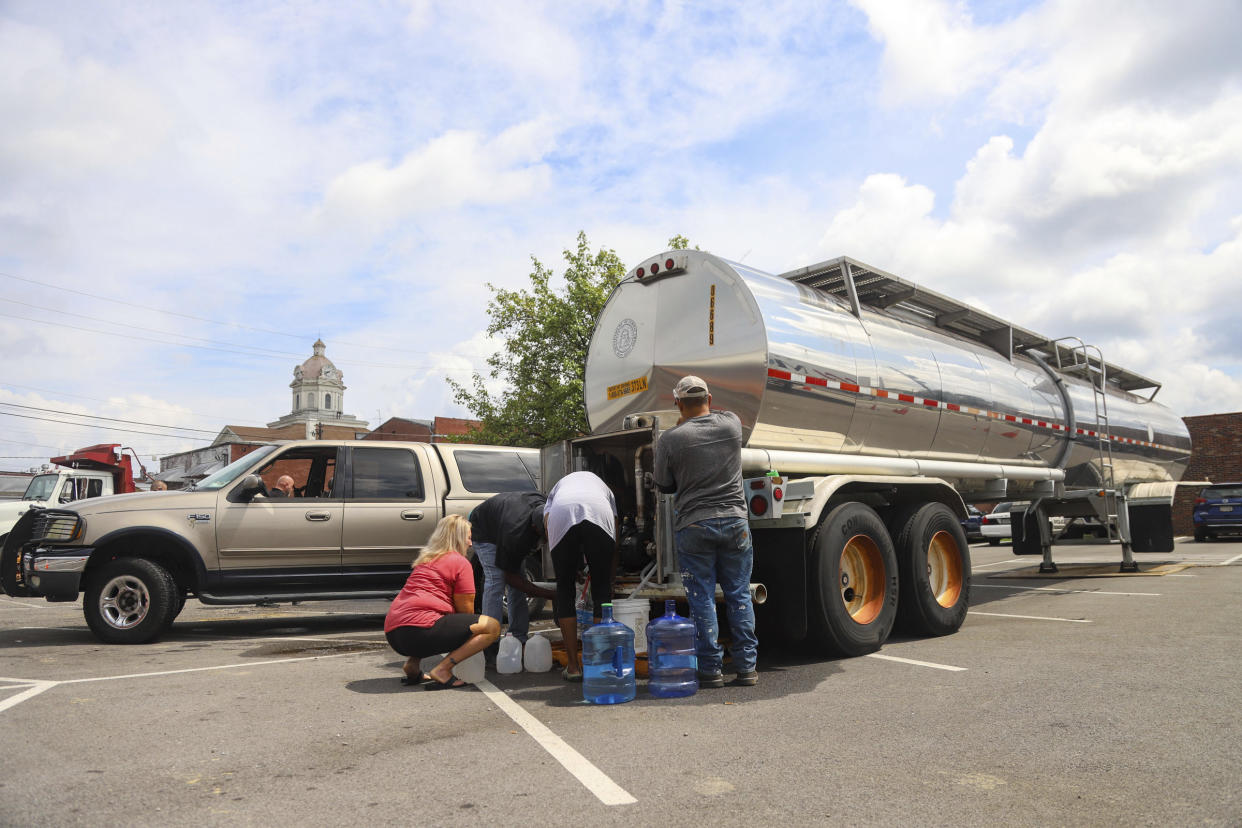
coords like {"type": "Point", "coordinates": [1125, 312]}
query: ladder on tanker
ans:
{"type": "Point", "coordinates": [1088, 361]}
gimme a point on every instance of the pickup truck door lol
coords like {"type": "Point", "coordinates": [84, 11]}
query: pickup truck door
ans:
{"type": "Point", "coordinates": [391, 510]}
{"type": "Point", "coordinates": [285, 541]}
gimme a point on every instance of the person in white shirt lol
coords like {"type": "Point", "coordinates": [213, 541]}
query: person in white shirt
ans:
{"type": "Point", "coordinates": [581, 521]}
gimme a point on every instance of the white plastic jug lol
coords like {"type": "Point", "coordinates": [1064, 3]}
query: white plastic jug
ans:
{"type": "Point", "coordinates": [509, 658]}
{"type": "Point", "coordinates": [470, 670]}
{"type": "Point", "coordinates": [538, 656]}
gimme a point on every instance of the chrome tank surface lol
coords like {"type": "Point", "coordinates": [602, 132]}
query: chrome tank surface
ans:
{"type": "Point", "coordinates": [804, 373]}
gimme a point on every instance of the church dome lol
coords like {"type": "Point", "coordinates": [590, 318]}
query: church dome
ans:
{"type": "Point", "coordinates": [317, 366]}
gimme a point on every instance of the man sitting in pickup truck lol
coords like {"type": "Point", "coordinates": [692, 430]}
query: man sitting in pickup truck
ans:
{"type": "Point", "coordinates": [283, 487]}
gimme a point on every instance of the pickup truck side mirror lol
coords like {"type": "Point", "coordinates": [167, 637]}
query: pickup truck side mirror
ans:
{"type": "Point", "coordinates": [252, 485]}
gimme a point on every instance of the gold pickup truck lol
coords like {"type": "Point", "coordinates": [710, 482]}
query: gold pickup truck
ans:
{"type": "Point", "coordinates": [357, 516]}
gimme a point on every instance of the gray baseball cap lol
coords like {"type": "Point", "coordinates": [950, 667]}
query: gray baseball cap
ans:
{"type": "Point", "coordinates": [689, 388]}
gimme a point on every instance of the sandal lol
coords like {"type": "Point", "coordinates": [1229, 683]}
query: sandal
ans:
{"type": "Point", "coordinates": [568, 676]}
{"type": "Point", "coordinates": [410, 681]}
{"type": "Point", "coordinates": [433, 683]}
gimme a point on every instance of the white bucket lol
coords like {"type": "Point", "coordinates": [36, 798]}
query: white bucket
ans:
{"type": "Point", "coordinates": [634, 613]}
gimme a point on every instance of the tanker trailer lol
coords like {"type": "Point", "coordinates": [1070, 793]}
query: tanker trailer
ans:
{"type": "Point", "coordinates": [870, 407]}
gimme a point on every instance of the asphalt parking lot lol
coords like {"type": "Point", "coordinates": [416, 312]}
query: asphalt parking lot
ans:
{"type": "Point", "coordinates": [1068, 700]}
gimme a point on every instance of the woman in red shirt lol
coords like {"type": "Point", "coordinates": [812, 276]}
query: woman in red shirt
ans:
{"type": "Point", "coordinates": [434, 612]}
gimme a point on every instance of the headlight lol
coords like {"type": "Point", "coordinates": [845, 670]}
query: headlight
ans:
{"type": "Point", "coordinates": [56, 527]}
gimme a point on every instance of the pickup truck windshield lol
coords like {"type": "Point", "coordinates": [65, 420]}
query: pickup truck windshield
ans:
{"type": "Point", "coordinates": [232, 471]}
{"type": "Point", "coordinates": [41, 487]}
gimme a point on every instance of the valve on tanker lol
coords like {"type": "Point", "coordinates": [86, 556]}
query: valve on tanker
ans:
{"type": "Point", "coordinates": [765, 496]}
{"type": "Point", "coordinates": [632, 546]}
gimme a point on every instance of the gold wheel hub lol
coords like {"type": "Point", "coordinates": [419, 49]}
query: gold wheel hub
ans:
{"type": "Point", "coordinates": [862, 579]}
{"type": "Point", "coordinates": [944, 569]}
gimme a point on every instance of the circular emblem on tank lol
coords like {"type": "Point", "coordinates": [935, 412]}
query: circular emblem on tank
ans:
{"type": "Point", "coordinates": [624, 338]}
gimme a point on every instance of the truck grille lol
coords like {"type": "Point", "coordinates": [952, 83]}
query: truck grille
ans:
{"type": "Point", "coordinates": [57, 527]}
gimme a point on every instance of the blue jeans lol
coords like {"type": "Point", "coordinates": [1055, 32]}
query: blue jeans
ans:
{"type": "Point", "coordinates": [711, 551]}
{"type": "Point", "coordinates": [494, 588]}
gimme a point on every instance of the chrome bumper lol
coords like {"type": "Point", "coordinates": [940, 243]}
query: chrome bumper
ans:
{"type": "Point", "coordinates": [55, 575]}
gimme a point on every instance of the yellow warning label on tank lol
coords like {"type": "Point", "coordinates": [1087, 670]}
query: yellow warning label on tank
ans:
{"type": "Point", "coordinates": [629, 387]}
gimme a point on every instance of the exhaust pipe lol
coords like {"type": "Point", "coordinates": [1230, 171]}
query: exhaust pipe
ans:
{"type": "Point", "coordinates": [758, 593]}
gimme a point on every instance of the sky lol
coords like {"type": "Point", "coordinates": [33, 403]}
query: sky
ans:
{"type": "Point", "coordinates": [192, 193]}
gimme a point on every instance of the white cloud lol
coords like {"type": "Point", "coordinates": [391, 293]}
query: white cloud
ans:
{"type": "Point", "coordinates": [1106, 225]}
{"type": "Point", "coordinates": [455, 169]}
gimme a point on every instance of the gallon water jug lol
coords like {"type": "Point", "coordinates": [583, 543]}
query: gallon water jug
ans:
{"type": "Point", "coordinates": [509, 658]}
{"type": "Point", "coordinates": [608, 661]}
{"type": "Point", "coordinates": [671, 661]}
{"type": "Point", "coordinates": [471, 670]}
{"type": "Point", "coordinates": [537, 657]}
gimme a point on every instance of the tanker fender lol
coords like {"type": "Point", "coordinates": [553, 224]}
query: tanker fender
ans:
{"type": "Point", "coordinates": [885, 494]}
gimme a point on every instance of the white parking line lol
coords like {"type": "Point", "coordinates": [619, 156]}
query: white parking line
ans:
{"type": "Point", "coordinates": [1231, 560]}
{"type": "Point", "coordinates": [1063, 591]}
{"type": "Point", "coordinates": [1031, 617]}
{"type": "Point", "coordinates": [931, 664]}
{"type": "Point", "coordinates": [32, 689]}
{"type": "Point", "coordinates": [595, 780]}
{"type": "Point", "coordinates": [996, 563]}
{"type": "Point", "coordinates": [204, 669]}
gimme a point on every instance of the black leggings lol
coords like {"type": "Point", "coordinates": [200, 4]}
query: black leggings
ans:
{"type": "Point", "coordinates": [585, 541]}
{"type": "Point", "coordinates": [444, 636]}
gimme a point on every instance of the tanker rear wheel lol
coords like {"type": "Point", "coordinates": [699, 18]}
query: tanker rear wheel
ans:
{"type": "Point", "coordinates": [853, 582]}
{"type": "Point", "coordinates": [933, 558]}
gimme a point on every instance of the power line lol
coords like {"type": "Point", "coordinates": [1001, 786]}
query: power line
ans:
{"type": "Point", "coordinates": [276, 355]}
{"type": "Point", "coordinates": [237, 420]}
{"type": "Point", "coordinates": [302, 337]}
{"type": "Point", "coordinates": [271, 351]}
{"type": "Point", "coordinates": [99, 427]}
{"type": "Point", "coordinates": [109, 419]}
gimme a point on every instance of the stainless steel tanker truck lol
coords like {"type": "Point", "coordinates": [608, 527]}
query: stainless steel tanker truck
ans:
{"type": "Point", "coordinates": [871, 408]}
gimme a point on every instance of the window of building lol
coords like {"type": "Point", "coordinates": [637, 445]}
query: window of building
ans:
{"type": "Point", "coordinates": [297, 401]}
{"type": "Point", "coordinates": [327, 401]}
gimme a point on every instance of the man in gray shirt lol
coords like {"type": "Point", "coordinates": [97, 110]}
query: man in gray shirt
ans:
{"type": "Point", "coordinates": [701, 460]}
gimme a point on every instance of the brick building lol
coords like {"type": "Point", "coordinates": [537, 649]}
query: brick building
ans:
{"type": "Point", "coordinates": [1216, 455]}
{"type": "Point", "coordinates": [423, 431]}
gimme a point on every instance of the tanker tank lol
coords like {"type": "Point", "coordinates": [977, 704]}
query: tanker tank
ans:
{"type": "Point", "coordinates": [845, 360]}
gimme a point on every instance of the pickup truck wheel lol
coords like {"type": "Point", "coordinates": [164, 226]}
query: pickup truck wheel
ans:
{"type": "Point", "coordinates": [933, 559]}
{"type": "Point", "coordinates": [128, 600]}
{"type": "Point", "coordinates": [853, 581]}
{"type": "Point", "coordinates": [178, 605]}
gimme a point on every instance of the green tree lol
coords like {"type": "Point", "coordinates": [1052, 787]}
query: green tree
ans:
{"type": "Point", "coordinates": [546, 333]}
{"type": "Point", "coordinates": [543, 365]}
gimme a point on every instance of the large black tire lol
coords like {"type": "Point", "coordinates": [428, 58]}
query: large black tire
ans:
{"type": "Point", "coordinates": [853, 582]}
{"type": "Point", "coordinates": [178, 605]}
{"type": "Point", "coordinates": [933, 559]}
{"type": "Point", "coordinates": [128, 600]}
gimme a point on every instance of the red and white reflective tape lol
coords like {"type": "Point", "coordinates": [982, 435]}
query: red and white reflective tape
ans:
{"type": "Point", "coordinates": [924, 402]}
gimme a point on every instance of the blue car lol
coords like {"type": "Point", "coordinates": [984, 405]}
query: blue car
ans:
{"type": "Point", "coordinates": [973, 523]}
{"type": "Point", "coordinates": [1218, 511]}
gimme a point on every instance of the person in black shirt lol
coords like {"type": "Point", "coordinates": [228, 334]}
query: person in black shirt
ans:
{"type": "Point", "coordinates": [506, 528]}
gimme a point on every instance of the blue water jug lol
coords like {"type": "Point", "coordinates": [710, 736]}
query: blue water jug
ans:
{"type": "Point", "coordinates": [608, 661]}
{"type": "Point", "coordinates": [671, 661]}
